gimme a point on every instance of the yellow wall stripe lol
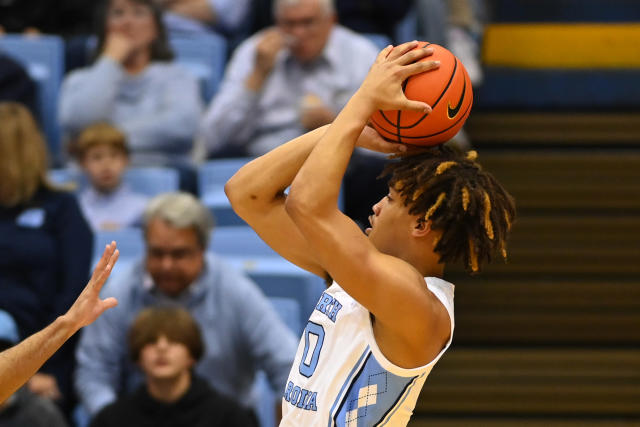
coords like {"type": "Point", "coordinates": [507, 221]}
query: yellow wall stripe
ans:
{"type": "Point", "coordinates": [562, 45]}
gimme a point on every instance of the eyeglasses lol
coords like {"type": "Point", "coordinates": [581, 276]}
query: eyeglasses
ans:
{"type": "Point", "coordinates": [304, 23]}
{"type": "Point", "coordinates": [175, 254]}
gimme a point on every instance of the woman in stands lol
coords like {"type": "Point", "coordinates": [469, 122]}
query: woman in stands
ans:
{"type": "Point", "coordinates": [134, 85]}
{"type": "Point", "coordinates": [45, 245]}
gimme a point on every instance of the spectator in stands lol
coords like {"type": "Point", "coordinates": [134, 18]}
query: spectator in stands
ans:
{"type": "Point", "coordinates": [165, 343]}
{"type": "Point", "coordinates": [24, 408]}
{"type": "Point", "coordinates": [203, 16]}
{"type": "Point", "coordinates": [45, 249]}
{"type": "Point", "coordinates": [242, 332]}
{"type": "Point", "coordinates": [107, 203]}
{"type": "Point", "coordinates": [135, 85]}
{"type": "Point", "coordinates": [15, 84]}
{"type": "Point", "coordinates": [286, 80]}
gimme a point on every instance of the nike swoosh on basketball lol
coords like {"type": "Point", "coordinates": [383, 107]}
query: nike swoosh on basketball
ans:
{"type": "Point", "coordinates": [452, 112]}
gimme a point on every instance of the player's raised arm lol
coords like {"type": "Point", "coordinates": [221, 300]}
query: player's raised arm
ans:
{"type": "Point", "coordinates": [256, 193]}
{"type": "Point", "coordinates": [20, 362]}
{"type": "Point", "coordinates": [390, 287]}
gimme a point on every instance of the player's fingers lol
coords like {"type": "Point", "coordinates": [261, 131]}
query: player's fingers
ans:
{"type": "Point", "coordinates": [104, 259]}
{"type": "Point", "coordinates": [418, 67]}
{"type": "Point", "coordinates": [418, 106]}
{"type": "Point", "coordinates": [400, 50]}
{"type": "Point", "coordinates": [414, 55]}
{"type": "Point", "coordinates": [109, 303]}
{"type": "Point", "coordinates": [384, 53]}
{"type": "Point", "coordinates": [106, 271]}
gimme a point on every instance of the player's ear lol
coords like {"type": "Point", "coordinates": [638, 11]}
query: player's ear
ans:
{"type": "Point", "coordinates": [421, 227]}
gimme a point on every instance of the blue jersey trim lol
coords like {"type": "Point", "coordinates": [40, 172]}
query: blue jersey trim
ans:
{"type": "Point", "coordinates": [399, 402]}
{"type": "Point", "coordinates": [358, 366]}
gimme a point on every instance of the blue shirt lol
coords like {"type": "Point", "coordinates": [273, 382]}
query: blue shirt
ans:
{"type": "Point", "coordinates": [158, 109]}
{"type": "Point", "coordinates": [118, 209]}
{"type": "Point", "coordinates": [241, 331]}
{"type": "Point", "coordinates": [261, 121]}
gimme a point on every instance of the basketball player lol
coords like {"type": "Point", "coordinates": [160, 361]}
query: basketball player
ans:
{"type": "Point", "coordinates": [377, 331]}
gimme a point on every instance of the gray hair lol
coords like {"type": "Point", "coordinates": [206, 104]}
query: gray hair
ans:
{"type": "Point", "coordinates": [327, 5]}
{"type": "Point", "coordinates": [181, 210]}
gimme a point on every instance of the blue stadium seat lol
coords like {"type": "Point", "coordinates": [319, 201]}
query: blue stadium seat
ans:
{"type": "Point", "coordinates": [130, 243]}
{"type": "Point", "coordinates": [205, 56]}
{"type": "Point", "coordinates": [239, 241]}
{"type": "Point", "coordinates": [243, 248]}
{"type": "Point", "coordinates": [152, 181]}
{"type": "Point", "coordinates": [289, 310]}
{"type": "Point", "coordinates": [43, 58]}
{"type": "Point", "coordinates": [212, 175]}
{"type": "Point", "coordinates": [303, 287]}
{"type": "Point", "coordinates": [149, 181]}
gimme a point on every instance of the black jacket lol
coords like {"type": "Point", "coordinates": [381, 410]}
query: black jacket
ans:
{"type": "Point", "coordinates": [201, 406]}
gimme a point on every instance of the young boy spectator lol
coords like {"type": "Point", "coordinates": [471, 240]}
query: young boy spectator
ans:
{"type": "Point", "coordinates": [165, 342]}
{"type": "Point", "coordinates": [107, 203]}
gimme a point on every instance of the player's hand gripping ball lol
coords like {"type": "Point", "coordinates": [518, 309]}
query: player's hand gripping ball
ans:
{"type": "Point", "coordinates": [447, 89]}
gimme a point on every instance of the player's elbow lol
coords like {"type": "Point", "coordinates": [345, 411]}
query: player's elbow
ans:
{"type": "Point", "coordinates": [301, 205]}
{"type": "Point", "coordinates": [294, 206]}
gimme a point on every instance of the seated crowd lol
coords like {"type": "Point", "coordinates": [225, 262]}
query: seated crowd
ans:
{"type": "Point", "coordinates": [190, 332]}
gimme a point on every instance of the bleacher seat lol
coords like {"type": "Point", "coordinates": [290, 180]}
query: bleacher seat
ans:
{"type": "Point", "coordinates": [212, 175]}
{"type": "Point", "coordinates": [130, 243]}
{"type": "Point", "coordinates": [43, 58]}
{"type": "Point", "coordinates": [153, 180]}
{"type": "Point", "coordinates": [303, 287]}
{"type": "Point", "coordinates": [289, 311]}
{"type": "Point", "coordinates": [205, 56]}
{"type": "Point", "coordinates": [149, 181]}
{"type": "Point", "coordinates": [239, 241]}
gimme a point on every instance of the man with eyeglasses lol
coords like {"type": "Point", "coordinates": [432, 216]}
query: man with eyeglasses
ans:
{"type": "Point", "coordinates": [241, 331]}
{"type": "Point", "coordinates": [286, 80]}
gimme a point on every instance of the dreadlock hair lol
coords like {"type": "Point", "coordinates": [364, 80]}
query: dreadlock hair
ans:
{"type": "Point", "coordinates": [453, 192]}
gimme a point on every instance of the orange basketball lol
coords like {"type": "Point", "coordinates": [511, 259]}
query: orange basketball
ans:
{"type": "Point", "coordinates": [446, 89]}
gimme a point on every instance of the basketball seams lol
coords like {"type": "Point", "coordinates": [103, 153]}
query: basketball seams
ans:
{"type": "Point", "coordinates": [433, 107]}
{"type": "Point", "coordinates": [462, 117]}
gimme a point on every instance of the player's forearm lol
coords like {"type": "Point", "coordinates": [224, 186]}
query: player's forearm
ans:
{"type": "Point", "coordinates": [20, 362]}
{"type": "Point", "coordinates": [317, 185]}
{"type": "Point", "coordinates": [260, 182]}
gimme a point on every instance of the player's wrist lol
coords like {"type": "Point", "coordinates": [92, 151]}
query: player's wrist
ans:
{"type": "Point", "coordinates": [364, 103]}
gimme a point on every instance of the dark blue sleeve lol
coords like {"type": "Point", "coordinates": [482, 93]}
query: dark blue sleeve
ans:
{"type": "Point", "coordinates": [74, 245]}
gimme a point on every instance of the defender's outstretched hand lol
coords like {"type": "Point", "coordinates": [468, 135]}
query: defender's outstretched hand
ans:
{"type": "Point", "coordinates": [22, 361]}
{"type": "Point", "coordinates": [382, 88]}
{"type": "Point", "coordinates": [88, 306]}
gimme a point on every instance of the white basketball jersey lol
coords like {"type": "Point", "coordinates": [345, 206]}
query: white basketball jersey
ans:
{"type": "Point", "coordinates": [340, 378]}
